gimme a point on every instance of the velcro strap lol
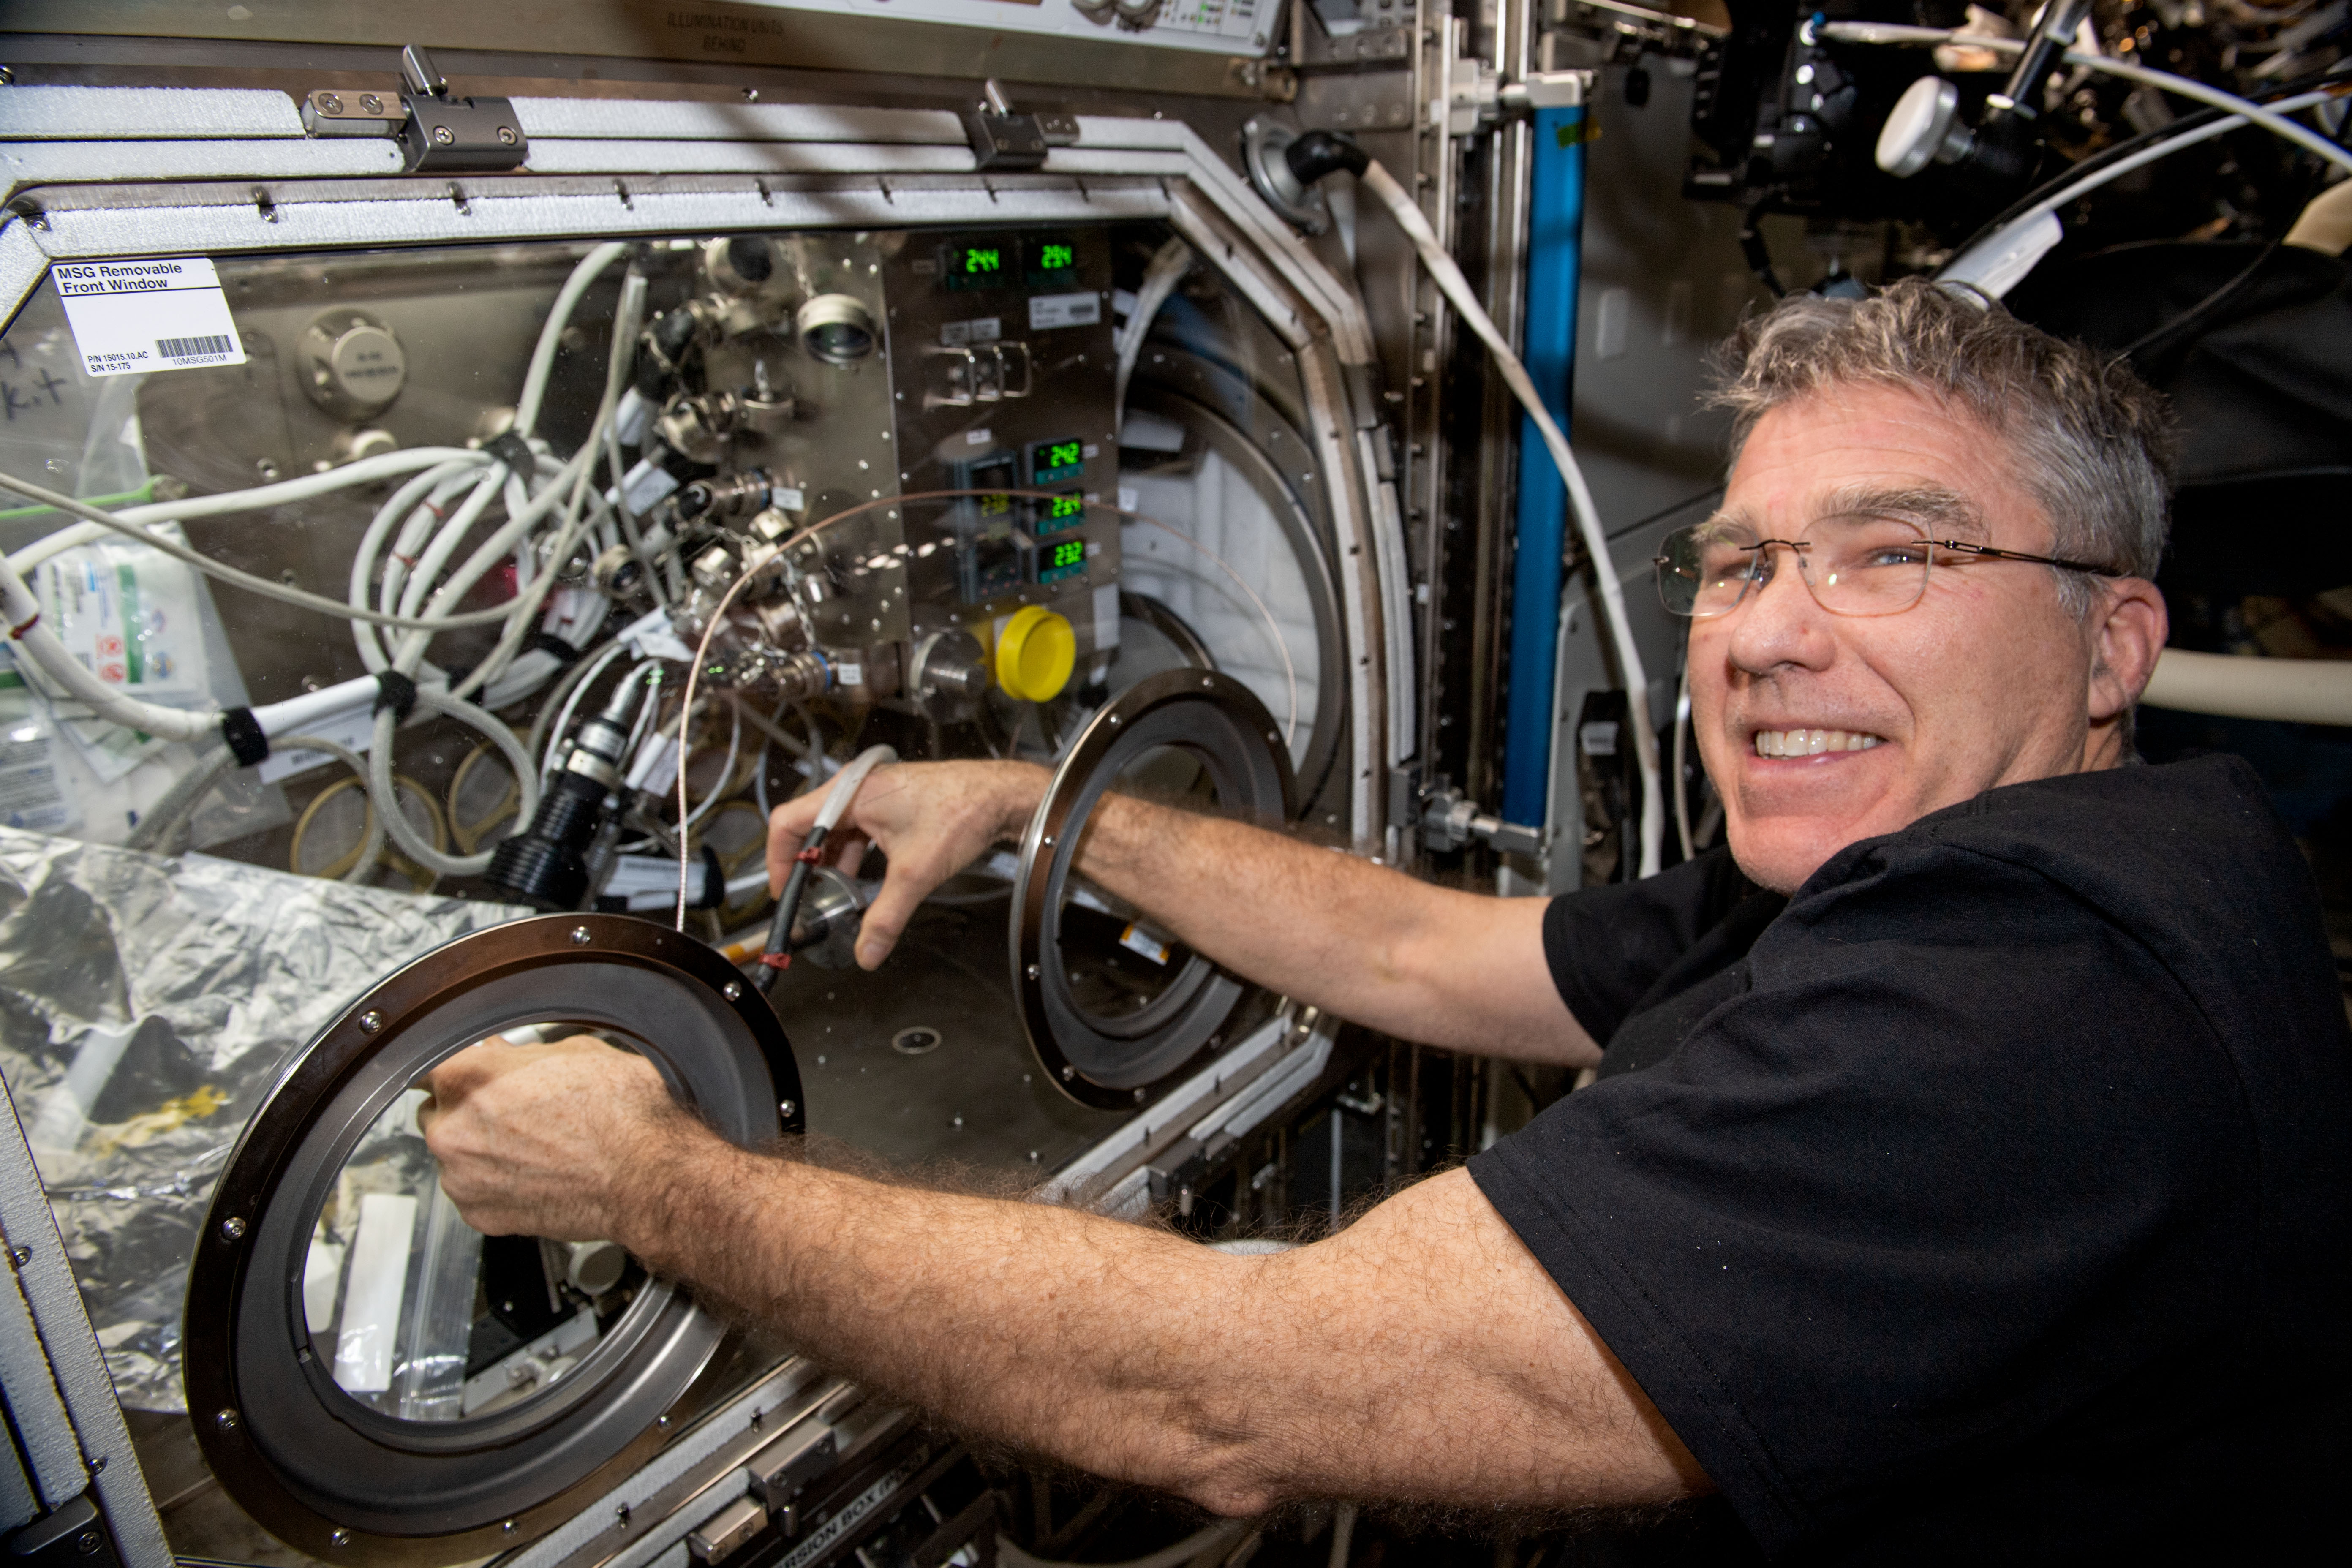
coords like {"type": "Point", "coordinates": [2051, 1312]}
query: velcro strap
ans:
{"type": "Point", "coordinates": [811, 855]}
{"type": "Point", "coordinates": [514, 452]}
{"type": "Point", "coordinates": [777, 960]}
{"type": "Point", "coordinates": [395, 691]}
{"type": "Point", "coordinates": [243, 733]}
{"type": "Point", "coordinates": [549, 643]}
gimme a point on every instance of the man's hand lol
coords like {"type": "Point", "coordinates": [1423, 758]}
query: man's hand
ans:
{"type": "Point", "coordinates": [535, 1139]}
{"type": "Point", "coordinates": [931, 819]}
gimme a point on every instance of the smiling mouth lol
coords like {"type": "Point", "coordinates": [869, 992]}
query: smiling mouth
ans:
{"type": "Point", "coordinates": [1811, 743]}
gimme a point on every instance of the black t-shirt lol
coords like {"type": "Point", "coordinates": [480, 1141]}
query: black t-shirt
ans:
{"type": "Point", "coordinates": [1989, 1201]}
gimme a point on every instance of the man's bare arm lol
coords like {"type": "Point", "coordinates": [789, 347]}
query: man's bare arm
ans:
{"type": "Point", "coordinates": [1361, 1366]}
{"type": "Point", "coordinates": [1364, 941]}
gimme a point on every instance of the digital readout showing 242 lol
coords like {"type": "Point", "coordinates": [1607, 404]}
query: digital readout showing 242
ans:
{"type": "Point", "coordinates": [1051, 462]}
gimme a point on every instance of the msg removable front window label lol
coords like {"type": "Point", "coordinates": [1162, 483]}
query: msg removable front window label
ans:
{"type": "Point", "coordinates": [134, 316]}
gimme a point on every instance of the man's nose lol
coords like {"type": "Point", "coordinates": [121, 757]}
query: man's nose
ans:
{"type": "Point", "coordinates": [1779, 622]}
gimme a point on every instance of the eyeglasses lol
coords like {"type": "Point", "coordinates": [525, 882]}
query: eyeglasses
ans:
{"type": "Point", "coordinates": [1854, 565]}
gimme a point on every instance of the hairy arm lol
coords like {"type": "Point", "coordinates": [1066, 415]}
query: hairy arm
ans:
{"type": "Point", "coordinates": [1364, 941]}
{"type": "Point", "coordinates": [1354, 1367]}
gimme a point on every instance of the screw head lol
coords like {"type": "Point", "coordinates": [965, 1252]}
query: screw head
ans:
{"type": "Point", "coordinates": [20, 1255]}
{"type": "Point", "coordinates": [508, 1527]}
{"type": "Point", "coordinates": [1138, 1097]}
{"type": "Point", "coordinates": [1069, 1073]}
{"type": "Point", "coordinates": [88, 1541]}
{"type": "Point", "coordinates": [370, 104]}
{"type": "Point", "coordinates": [371, 1021]}
{"type": "Point", "coordinates": [507, 139]}
{"type": "Point", "coordinates": [581, 937]}
{"type": "Point", "coordinates": [785, 1109]}
{"type": "Point", "coordinates": [1032, 972]}
{"type": "Point", "coordinates": [232, 1229]}
{"type": "Point", "coordinates": [1047, 841]}
{"type": "Point", "coordinates": [341, 1538]}
{"type": "Point", "coordinates": [1114, 721]}
{"type": "Point", "coordinates": [443, 136]}
{"type": "Point", "coordinates": [1206, 683]}
{"type": "Point", "coordinates": [732, 991]}
{"type": "Point", "coordinates": [333, 103]}
{"type": "Point", "coordinates": [226, 1419]}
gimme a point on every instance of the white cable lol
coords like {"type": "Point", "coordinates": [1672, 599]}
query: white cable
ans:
{"type": "Point", "coordinates": [542, 356]}
{"type": "Point", "coordinates": [1456, 288]}
{"type": "Point", "coordinates": [381, 789]}
{"type": "Point", "coordinates": [266, 587]}
{"type": "Point", "coordinates": [2274, 119]}
{"type": "Point", "coordinates": [845, 785]}
{"type": "Point", "coordinates": [402, 503]}
{"type": "Point", "coordinates": [1992, 244]}
{"type": "Point", "coordinates": [1167, 269]}
{"type": "Point", "coordinates": [365, 472]}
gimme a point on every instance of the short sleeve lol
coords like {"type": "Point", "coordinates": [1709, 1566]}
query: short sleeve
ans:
{"type": "Point", "coordinates": [1606, 946]}
{"type": "Point", "coordinates": [1904, 1199]}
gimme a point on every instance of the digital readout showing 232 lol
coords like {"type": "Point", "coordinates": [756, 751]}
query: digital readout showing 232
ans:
{"type": "Point", "coordinates": [1066, 558]}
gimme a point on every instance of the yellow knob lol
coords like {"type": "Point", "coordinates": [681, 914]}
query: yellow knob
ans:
{"type": "Point", "coordinates": [1034, 654]}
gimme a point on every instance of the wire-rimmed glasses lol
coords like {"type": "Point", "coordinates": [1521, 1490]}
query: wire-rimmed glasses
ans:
{"type": "Point", "coordinates": [1854, 564]}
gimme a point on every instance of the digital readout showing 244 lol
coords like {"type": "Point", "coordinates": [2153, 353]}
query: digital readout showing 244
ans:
{"type": "Point", "coordinates": [1008, 261]}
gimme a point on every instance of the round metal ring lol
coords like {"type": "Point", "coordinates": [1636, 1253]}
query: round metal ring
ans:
{"type": "Point", "coordinates": [345, 1482]}
{"type": "Point", "coordinates": [1217, 721]}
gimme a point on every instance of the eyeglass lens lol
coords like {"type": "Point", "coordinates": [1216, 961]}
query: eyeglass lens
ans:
{"type": "Point", "coordinates": [1857, 565]}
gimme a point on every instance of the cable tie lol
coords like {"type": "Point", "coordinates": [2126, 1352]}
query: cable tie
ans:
{"type": "Point", "coordinates": [514, 452]}
{"type": "Point", "coordinates": [395, 691]}
{"type": "Point", "coordinates": [243, 732]}
{"type": "Point", "coordinates": [19, 630]}
{"type": "Point", "coordinates": [777, 960]}
{"type": "Point", "coordinates": [549, 643]}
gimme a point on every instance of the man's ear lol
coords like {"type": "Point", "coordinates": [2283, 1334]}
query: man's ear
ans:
{"type": "Point", "coordinates": [2127, 632]}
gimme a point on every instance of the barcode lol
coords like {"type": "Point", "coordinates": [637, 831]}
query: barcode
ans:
{"type": "Point", "coordinates": [189, 348]}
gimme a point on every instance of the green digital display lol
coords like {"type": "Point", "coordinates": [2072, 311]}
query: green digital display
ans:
{"type": "Point", "coordinates": [1056, 257]}
{"type": "Point", "coordinates": [1051, 462]}
{"type": "Point", "coordinates": [979, 265]}
{"type": "Point", "coordinates": [1066, 559]}
{"type": "Point", "coordinates": [1060, 514]}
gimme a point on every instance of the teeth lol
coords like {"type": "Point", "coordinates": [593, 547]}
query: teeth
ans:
{"type": "Point", "coordinates": [1809, 743]}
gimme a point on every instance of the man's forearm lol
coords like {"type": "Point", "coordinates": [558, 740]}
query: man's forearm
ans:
{"type": "Point", "coordinates": [1364, 941]}
{"type": "Point", "coordinates": [1349, 1369]}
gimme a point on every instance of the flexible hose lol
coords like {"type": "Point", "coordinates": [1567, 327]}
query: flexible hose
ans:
{"type": "Point", "coordinates": [559, 316]}
{"type": "Point", "coordinates": [777, 954]}
{"type": "Point", "coordinates": [380, 780]}
{"type": "Point", "coordinates": [1456, 288]}
{"type": "Point", "coordinates": [157, 831]}
{"type": "Point", "coordinates": [1167, 269]}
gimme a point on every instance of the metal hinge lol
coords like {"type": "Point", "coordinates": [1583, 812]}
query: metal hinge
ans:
{"type": "Point", "coordinates": [442, 133]}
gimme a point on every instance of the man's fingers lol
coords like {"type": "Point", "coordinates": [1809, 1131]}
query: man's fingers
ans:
{"type": "Point", "coordinates": [886, 916]}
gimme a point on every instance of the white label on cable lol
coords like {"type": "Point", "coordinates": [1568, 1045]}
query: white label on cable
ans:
{"type": "Point", "coordinates": [645, 484]}
{"type": "Point", "coordinates": [134, 316]}
{"type": "Point", "coordinates": [1598, 738]}
{"type": "Point", "coordinates": [353, 728]}
{"type": "Point", "coordinates": [633, 417]}
{"type": "Point", "coordinates": [1129, 499]}
{"type": "Point", "coordinates": [979, 437]}
{"type": "Point", "coordinates": [1122, 302]}
{"type": "Point", "coordinates": [848, 672]}
{"type": "Point", "coordinates": [788, 497]}
{"type": "Point", "coordinates": [651, 635]}
{"type": "Point", "coordinates": [655, 768]}
{"type": "Point", "coordinates": [957, 334]}
{"type": "Point", "coordinates": [1047, 311]}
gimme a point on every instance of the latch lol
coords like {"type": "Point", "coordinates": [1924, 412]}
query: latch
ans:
{"type": "Point", "coordinates": [1477, 97]}
{"type": "Point", "coordinates": [446, 134]}
{"type": "Point", "coordinates": [1449, 821]}
{"type": "Point", "coordinates": [1004, 142]}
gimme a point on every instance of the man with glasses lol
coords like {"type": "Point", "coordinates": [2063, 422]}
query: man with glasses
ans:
{"type": "Point", "coordinates": [1966, 1176]}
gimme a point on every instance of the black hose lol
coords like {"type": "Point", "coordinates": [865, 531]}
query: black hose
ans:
{"type": "Point", "coordinates": [775, 953]}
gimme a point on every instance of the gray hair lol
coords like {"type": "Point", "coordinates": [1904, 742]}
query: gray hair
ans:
{"type": "Point", "coordinates": [2091, 442]}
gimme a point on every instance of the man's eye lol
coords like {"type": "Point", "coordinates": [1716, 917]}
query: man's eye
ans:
{"type": "Point", "coordinates": [1894, 555]}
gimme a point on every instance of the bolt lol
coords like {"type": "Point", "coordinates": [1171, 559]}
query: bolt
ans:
{"type": "Point", "coordinates": [339, 1538]}
{"type": "Point", "coordinates": [732, 991]}
{"type": "Point", "coordinates": [88, 1541]}
{"type": "Point", "coordinates": [785, 1109]}
{"type": "Point", "coordinates": [226, 1420]}
{"type": "Point", "coordinates": [1138, 1097]}
{"type": "Point", "coordinates": [371, 1021]}
{"type": "Point", "coordinates": [955, 1122]}
{"type": "Point", "coordinates": [443, 136]}
{"type": "Point", "coordinates": [1048, 841]}
{"type": "Point", "coordinates": [333, 103]}
{"type": "Point", "coordinates": [506, 137]}
{"type": "Point", "coordinates": [1206, 683]}
{"type": "Point", "coordinates": [1069, 1073]}
{"type": "Point", "coordinates": [20, 1255]}
{"type": "Point", "coordinates": [508, 1527]}
{"type": "Point", "coordinates": [1032, 972]}
{"type": "Point", "coordinates": [621, 1513]}
{"type": "Point", "coordinates": [1114, 721]}
{"type": "Point", "coordinates": [662, 1422]}
{"type": "Point", "coordinates": [232, 1229]}
{"type": "Point", "coordinates": [580, 936]}
{"type": "Point", "coordinates": [370, 104]}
